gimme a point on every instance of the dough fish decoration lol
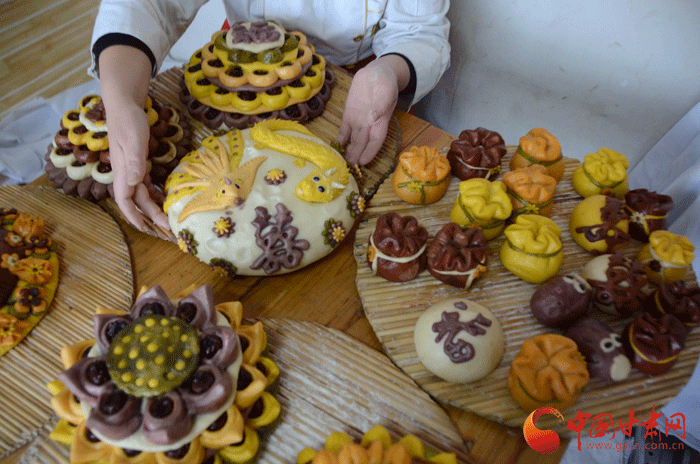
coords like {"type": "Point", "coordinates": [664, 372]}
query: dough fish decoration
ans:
{"type": "Point", "coordinates": [223, 185]}
{"type": "Point", "coordinates": [321, 185]}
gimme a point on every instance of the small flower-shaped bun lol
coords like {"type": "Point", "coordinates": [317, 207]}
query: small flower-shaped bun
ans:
{"type": "Point", "coordinates": [539, 147]}
{"type": "Point", "coordinates": [421, 176]}
{"type": "Point", "coordinates": [482, 203]}
{"type": "Point", "coordinates": [531, 190]}
{"type": "Point", "coordinates": [600, 172]}
{"type": "Point", "coordinates": [548, 371]}
{"type": "Point", "coordinates": [532, 249]}
{"type": "Point", "coordinates": [667, 257]}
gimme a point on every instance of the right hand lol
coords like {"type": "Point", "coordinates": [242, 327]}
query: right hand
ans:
{"type": "Point", "coordinates": [124, 77]}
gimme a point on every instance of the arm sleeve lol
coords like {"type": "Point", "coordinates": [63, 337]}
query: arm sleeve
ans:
{"type": "Point", "coordinates": [417, 30]}
{"type": "Point", "coordinates": [150, 25]}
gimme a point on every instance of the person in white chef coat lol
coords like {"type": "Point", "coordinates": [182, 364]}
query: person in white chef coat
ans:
{"type": "Point", "coordinates": [132, 37]}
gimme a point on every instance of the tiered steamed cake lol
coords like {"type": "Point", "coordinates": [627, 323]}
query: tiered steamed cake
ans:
{"type": "Point", "coordinates": [170, 381]}
{"type": "Point", "coordinates": [266, 200]}
{"type": "Point", "coordinates": [375, 447]}
{"type": "Point", "coordinates": [255, 71]}
{"type": "Point", "coordinates": [78, 159]}
{"type": "Point", "coordinates": [29, 272]}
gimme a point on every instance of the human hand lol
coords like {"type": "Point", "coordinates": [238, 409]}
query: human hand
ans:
{"type": "Point", "coordinates": [371, 100]}
{"type": "Point", "coordinates": [124, 77]}
{"type": "Point", "coordinates": [128, 148]}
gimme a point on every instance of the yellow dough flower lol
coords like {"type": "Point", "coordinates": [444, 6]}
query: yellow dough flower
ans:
{"type": "Point", "coordinates": [602, 171]}
{"type": "Point", "coordinates": [667, 256]}
{"type": "Point", "coordinates": [532, 249]}
{"type": "Point", "coordinates": [483, 203]}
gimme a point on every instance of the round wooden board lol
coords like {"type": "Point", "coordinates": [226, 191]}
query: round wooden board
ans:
{"type": "Point", "coordinates": [94, 270]}
{"type": "Point", "coordinates": [166, 86]}
{"type": "Point", "coordinates": [328, 382]}
{"type": "Point", "coordinates": [393, 308]}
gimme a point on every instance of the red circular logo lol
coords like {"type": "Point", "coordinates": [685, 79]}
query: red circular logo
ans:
{"type": "Point", "coordinates": [542, 441]}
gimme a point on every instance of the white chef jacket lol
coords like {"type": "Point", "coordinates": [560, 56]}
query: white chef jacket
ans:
{"type": "Point", "coordinates": [342, 31]}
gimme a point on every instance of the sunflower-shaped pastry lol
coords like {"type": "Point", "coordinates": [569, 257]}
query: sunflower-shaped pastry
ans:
{"type": "Point", "coordinates": [167, 382]}
{"type": "Point", "coordinates": [605, 170]}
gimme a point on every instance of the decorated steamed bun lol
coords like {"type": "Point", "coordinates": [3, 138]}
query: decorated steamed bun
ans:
{"type": "Point", "coordinates": [532, 249]}
{"type": "Point", "coordinates": [678, 299]}
{"type": "Point", "coordinates": [548, 371]}
{"type": "Point", "coordinates": [477, 153]}
{"type": "Point", "coordinates": [602, 348]}
{"type": "Point", "coordinates": [78, 160]}
{"type": "Point", "coordinates": [265, 200]}
{"type": "Point", "coordinates": [562, 300]}
{"type": "Point", "coordinates": [457, 257]}
{"type": "Point", "coordinates": [459, 340]}
{"type": "Point", "coordinates": [169, 381]}
{"type": "Point", "coordinates": [647, 211]}
{"type": "Point", "coordinates": [482, 203]}
{"type": "Point", "coordinates": [654, 343]}
{"type": "Point", "coordinates": [667, 257]}
{"type": "Point", "coordinates": [255, 71]}
{"type": "Point", "coordinates": [375, 447]}
{"type": "Point", "coordinates": [600, 172]}
{"type": "Point", "coordinates": [539, 147]}
{"type": "Point", "coordinates": [618, 283]}
{"type": "Point", "coordinates": [531, 190]}
{"type": "Point", "coordinates": [599, 224]}
{"type": "Point", "coordinates": [421, 176]}
{"type": "Point", "coordinates": [397, 247]}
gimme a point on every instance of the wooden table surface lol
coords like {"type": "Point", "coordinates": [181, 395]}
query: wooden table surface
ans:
{"type": "Point", "coordinates": [63, 48]}
{"type": "Point", "coordinates": [329, 284]}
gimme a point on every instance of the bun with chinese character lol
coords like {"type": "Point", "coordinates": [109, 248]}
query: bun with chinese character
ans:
{"type": "Point", "coordinates": [459, 340]}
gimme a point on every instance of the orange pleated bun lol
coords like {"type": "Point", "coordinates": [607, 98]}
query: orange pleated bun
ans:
{"type": "Point", "coordinates": [539, 147]}
{"type": "Point", "coordinates": [421, 176]}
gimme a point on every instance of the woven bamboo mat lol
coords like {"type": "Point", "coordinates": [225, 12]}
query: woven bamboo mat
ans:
{"type": "Point", "coordinates": [328, 382]}
{"type": "Point", "coordinates": [95, 270]}
{"type": "Point", "coordinates": [393, 308]}
{"type": "Point", "coordinates": [166, 86]}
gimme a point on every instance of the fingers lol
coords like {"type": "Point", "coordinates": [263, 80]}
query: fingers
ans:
{"type": "Point", "coordinates": [366, 142]}
{"type": "Point", "coordinates": [150, 208]}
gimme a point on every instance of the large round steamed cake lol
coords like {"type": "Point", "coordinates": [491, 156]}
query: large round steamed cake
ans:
{"type": "Point", "coordinates": [269, 227]}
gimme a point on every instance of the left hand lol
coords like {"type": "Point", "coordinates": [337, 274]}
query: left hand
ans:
{"type": "Point", "coordinates": [371, 101]}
